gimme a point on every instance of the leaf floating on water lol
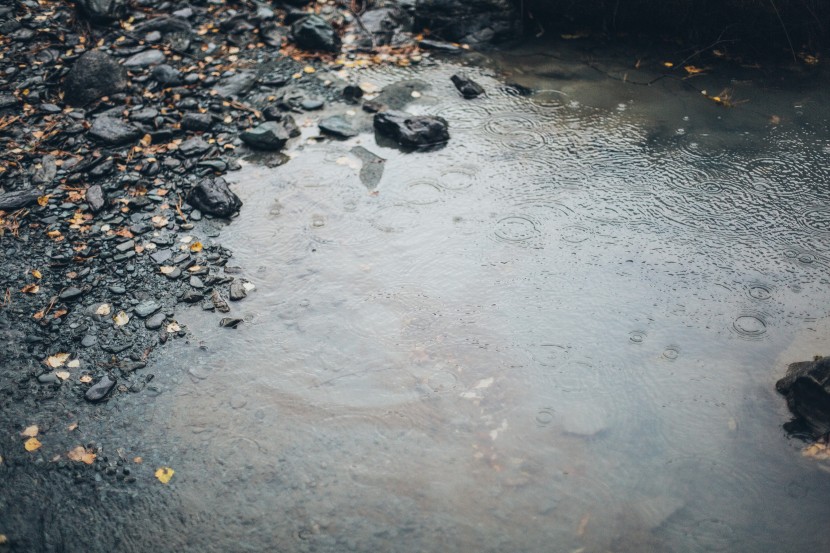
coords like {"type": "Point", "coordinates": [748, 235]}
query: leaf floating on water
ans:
{"type": "Point", "coordinates": [121, 319]}
{"type": "Point", "coordinates": [32, 444]}
{"type": "Point", "coordinates": [57, 360]}
{"type": "Point", "coordinates": [30, 431]}
{"type": "Point", "coordinates": [81, 455]}
{"type": "Point", "coordinates": [164, 474]}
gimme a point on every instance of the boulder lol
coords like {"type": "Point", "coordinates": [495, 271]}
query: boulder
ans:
{"type": "Point", "coordinates": [315, 33]}
{"type": "Point", "coordinates": [94, 75]}
{"type": "Point", "coordinates": [469, 21]}
{"type": "Point", "coordinates": [102, 11]}
{"type": "Point", "coordinates": [412, 130]}
{"type": "Point", "coordinates": [271, 135]}
{"type": "Point", "coordinates": [807, 389]}
{"type": "Point", "coordinates": [11, 201]}
{"type": "Point", "coordinates": [214, 197]}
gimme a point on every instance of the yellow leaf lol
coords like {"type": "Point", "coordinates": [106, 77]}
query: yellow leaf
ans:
{"type": "Point", "coordinates": [30, 289]}
{"type": "Point", "coordinates": [30, 431]}
{"type": "Point", "coordinates": [166, 269]}
{"type": "Point", "coordinates": [121, 319]}
{"type": "Point", "coordinates": [668, 64]}
{"type": "Point", "coordinates": [86, 379]}
{"type": "Point", "coordinates": [104, 309]}
{"type": "Point", "coordinates": [164, 474]}
{"type": "Point", "coordinates": [308, 69]}
{"type": "Point", "coordinates": [43, 200]}
{"type": "Point", "coordinates": [173, 327]}
{"type": "Point", "coordinates": [146, 140]}
{"type": "Point", "coordinates": [32, 444]}
{"type": "Point", "coordinates": [196, 247]}
{"type": "Point", "coordinates": [63, 375]}
{"type": "Point", "coordinates": [692, 70]}
{"type": "Point", "coordinates": [81, 455]}
{"type": "Point", "coordinates": [57, 360]}
{"type": "Point", "coordinates": [36, 274]}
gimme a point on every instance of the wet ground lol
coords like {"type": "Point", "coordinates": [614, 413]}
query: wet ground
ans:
{"type": "Point", "coordinates": [559, 332]}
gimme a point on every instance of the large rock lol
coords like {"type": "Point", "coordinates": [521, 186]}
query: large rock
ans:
{"type": "Point", "coordinates": [214, 197]}
{"type": "Point", "coordinates": [113, 132]}
{"type": "Point", "coordinates": [315, 33]}
{"type": "Point", "coordinates": [807, 389]}
{"type": "Point", "coordinates": [102, 11]}
{"type": "Point", "coordinates": [11, 201]}
{"type": "Point", "coordinates": [469, 21]}
{"type": "Point", "coordinates": [412, 130]}
{"type": "Point", "coordinates": [94, 75]}
{"type": "Point", "coordinates": [271, 135]}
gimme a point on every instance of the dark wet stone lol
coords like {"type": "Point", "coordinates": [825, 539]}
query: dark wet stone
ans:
{"type": "Point", "coordinates": [125, 246]}
{"type": "Point", "coordinates": [197, 121]}
{"type": "Point", "coordinates": [337, 126]}
{"type": "Point", "coordinates": [71, 293]}
{"type": "Point", "coordinates": [144, 115]}
{"type": "Point", "coordinates": [100, 389]}
{"type": "Point", "coordinates": [11, 201]}
{"type": "Point", "coordinates": [46, 171]}
{"type": "Point", "coordinates": [440, 46]}
{"type": "Point", "coordinates": [174, 274]}
{"type": "Point", "coordinates": [352, 93]}
{"type": "Point", "coordinates": [145, 59]}
{"type": "Point", "coordinates": [196, 282]}
{"type": "Point", "coordinates": [166, 75]}
{"type": "Point", "coordinates": [287, 121]}
{"type": "Point", "coordinates": [93, 75]}
{"type": "Point", "coordinates": [274, 78]}
{"type": "Point", "coordinates": [102, 11]}
{"type": "Point", "coordinates": [116, 347]}
{"type": "Point", "coordinates": [194, 146]}
{"type": "Point", "coordinates": [89, 340]}
{"type": "Point", "coordinates": [165, 24]}
{"type": "Point", "coordinates": [412, 130]}
{"type": "Point", "coordinates": [160, 256]}
{"type": "Point", "coordinates": [468, 21]}
{"type": "Point", "coordinates": [315, 33]}
{"type": "Point", "coordinates": [237, 84]}
{"type": "Point", "coordinates": [237, 290]}
{"type": "Point", "coordinates": [467, 87]}
{"type": "Point", "coordinates": [155, 322]}
{"type": "Point", "coordinates": [228, 322]}
{"type": "Point", "coordinates": [118, 290]}
{"type": "Point", "coordinates": [146, 308]}
{"type": "Point", "coordinates": [110, 130]}
{"type": "Point", "coordinates": [807, 389]}
{"type": "Point", "coordinates": [8, 101]}
{"type": "Point", "coordinates": [266, 136]}
{"type": "Point", "coordinates": [95, 198]}
{"type": "Point", "coordinates": [371, 170]}
{"type": "Point", "coordinates": [213, 196]}
{"type": "Point", "coordinates": [219, 302]}
{"type": "Point", "coordinates": [192, 296]}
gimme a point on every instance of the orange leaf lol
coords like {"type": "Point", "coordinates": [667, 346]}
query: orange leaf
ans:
{"type": "Point", "coordinates": [32, 444]}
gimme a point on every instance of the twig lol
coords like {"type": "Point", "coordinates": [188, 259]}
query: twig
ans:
{"type": "Point", "coordinates": [783, 26]}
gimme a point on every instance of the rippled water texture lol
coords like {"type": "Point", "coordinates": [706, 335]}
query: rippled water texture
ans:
{"type": "Point", "coordinates": [559, 333]}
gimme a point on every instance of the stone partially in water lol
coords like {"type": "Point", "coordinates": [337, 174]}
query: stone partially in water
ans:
{"type": "Point", "coordinates": [337, 126]}
{"type": "Point", "coordinates": [467, 87]}
{"type": "Point", "coordinates": [214, 197]}
{"type": "Point", "coordinates": [412, 130]}
{"type": "Point", "coordinates": [807, 389]}
{"type": "Point", "coordinates": [266, 136]}
{"type": "Point", "coordinates": [100, 389]}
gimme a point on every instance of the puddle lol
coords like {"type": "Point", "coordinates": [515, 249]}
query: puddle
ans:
{"type": "Point", "coordinates": [559, 329]}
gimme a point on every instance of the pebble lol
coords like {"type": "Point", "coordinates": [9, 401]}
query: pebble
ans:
{"type": "Point", "coordinates": [238, 290]}
{"type": "Point", "coordinates": [196, 282]}
{"type": "Point", "coordinates": [100, 389]}
{"type": "Point", "coordinates": [71, 293]}
{"type": "Point", "coordinates": [146, 308]}
{"type": "Point", "coordinates": [89, 340]}
{"type": "Point", "coordinates": [229, 322]}
{"type": "Point", "coordinates": [145, 59]}
{"type": "Point", "coordinates": [155, 322]}
{"type": "Point", "coordinates": [48, 378]}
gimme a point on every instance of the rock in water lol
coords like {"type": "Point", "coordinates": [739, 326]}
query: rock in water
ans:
{"type": "Point", "coordinates": [807, 389]}
{"type": "Point", "coordinates": [100, 389]}
{"type": "Point", "coordinates": [266, 136]}
{"type": "Point", "coordinates": [214, 197]}
{"type": "Point", "coordinates": [315, 33]}
{"type": "Point", "coordinates": [102, 11]}
{"type": "Point", "coordinates": [337, 126]}
{"type": "Point", "coordinates": [467, 87]}
{"type": "Point", "coordinates": [95, 74]}
{"type": "Point", "coordinates": [412, 130]}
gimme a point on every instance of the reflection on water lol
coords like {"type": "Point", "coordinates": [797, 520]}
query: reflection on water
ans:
{"type": "Point", "coordinates": [556, 334]}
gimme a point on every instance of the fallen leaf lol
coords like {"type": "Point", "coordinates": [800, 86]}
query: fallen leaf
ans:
{"type": "Point", "coordinates": [196, 247]}
{"type": "Point", "coordinates": [72, 426]}
{"type": "Point", "coordinates": [36, 274]}
{"type": "Point", "coordinates": [173, 327]}
{"type": "Point", "coordinates": [668, 64]}
{"type": "Point", "coordinates": [32, 444]}
{"type": "Point", "coordinates": [195, 268]}
{"type": "Point", "coordinates": [692, 70]}
{"type": "Point", "coordinates": [159, 221]}
{"type": "Point", "coordinates": [82, 455]}
{"type": "Point", "coordinates": [104, 309]}
{"type": "Point", "coordinates": [30, 289]}
{"type": "Point", "coordinates": [63, 375]}
{"type": "Point", "coordinates": [57, 360]}
{"type": "Point", "coordinates": [121, 319]}
{"type": "Point", "coordinates": [43, 200]}
{"type": "Point", "coordinates": [308, 69]}
{"type": "Point", "coordinates": [166, 269]}
{"type": "Point", "coordinates": [164, 474]}
{"type": "Point", "coordinates": [30, 431]}
{"type": "Point", "coordinates": [138, 460]}
{"type": "Point", "coordinates": [86, 379]}
{"type": "Point", "coordinates": [3, 539]}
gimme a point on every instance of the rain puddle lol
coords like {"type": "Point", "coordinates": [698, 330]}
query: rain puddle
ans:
{"type": "Point", "coordinates": [559, 333]}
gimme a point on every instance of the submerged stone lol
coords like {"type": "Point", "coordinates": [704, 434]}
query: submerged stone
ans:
{"type": "Point", "coordinates": [412, 130]}
{"type": "Point", "coordinates": [100, 389]}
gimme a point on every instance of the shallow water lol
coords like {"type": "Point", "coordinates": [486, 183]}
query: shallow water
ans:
{"type": "Point", "coordinates": [559, 333]}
